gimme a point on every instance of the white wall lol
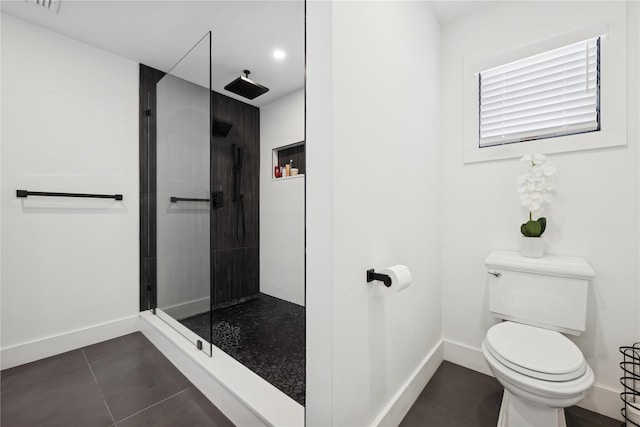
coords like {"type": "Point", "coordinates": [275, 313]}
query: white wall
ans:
{"type": "Point", "coordinates": [594, 215]}
{"type": "Point", "coordinates": [182, 170]}
{"type": "Point", "coordinates": [373, 196]}
{"type": "Point", "coordinates": [319, 215]}
{"type": "Point", "coordinates": [69, 124]}
{"type": "Point", "coordinates": [281, 203]}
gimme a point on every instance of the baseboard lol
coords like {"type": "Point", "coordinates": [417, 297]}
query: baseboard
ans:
{"type": "Point", "coordinates": [603, 400]}
{"type": "Point", "coordinates": [244, 397]}
{"type": "Point", "coordinates": [189, 308]}
{"type": "Point", "coordinates": [466, 356]}
{"type": "Point", "coordinates": [407, 395]}
{"type": "Point", "coordinates": [600, 398]}
{"type": "Point", "coordinates": [50, 346]}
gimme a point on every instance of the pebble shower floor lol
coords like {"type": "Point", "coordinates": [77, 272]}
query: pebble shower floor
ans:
{"type": "Point", "coordinates": [265, 334]}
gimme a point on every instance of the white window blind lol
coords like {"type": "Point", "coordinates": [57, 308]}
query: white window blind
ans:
{"type": "Point", "coordinates": [551, 94]}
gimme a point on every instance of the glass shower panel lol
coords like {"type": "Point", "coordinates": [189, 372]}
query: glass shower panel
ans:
{"type": "Point", "coordinates": [183, 194]}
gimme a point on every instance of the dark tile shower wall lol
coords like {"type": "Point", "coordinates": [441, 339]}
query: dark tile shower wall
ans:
{"type": "Point", "coordinates": [235, 266]}
{"type": "Point", "coordinates": [235, 263]}
{"type": "Point", "coordinates": [147, 131]}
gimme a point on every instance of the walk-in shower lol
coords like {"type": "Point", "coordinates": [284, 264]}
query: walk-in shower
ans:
{"type": "Point", "coordinates": [200, 224]}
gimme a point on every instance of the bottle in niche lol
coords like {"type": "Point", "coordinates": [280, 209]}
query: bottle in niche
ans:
{"type": "Point", "coordinates": [288, 168]}
{"type": "Point", "coordinates": [276, 172]}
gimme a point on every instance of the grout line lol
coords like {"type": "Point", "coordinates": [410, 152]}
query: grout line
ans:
{"type": "Point", "coordinates": [99, 388]}
{"type": "Point", "coordinates": [89, 365]}
{"type": "Point", "coordinates": [155, 404]}
{"type": "Point", "coordinates": [108, 409]}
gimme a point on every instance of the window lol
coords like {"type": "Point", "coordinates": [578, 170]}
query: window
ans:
{"type": "Point", "coordinates": [606, 123]}
{"type": "Point", "coordinates": [551, 94]}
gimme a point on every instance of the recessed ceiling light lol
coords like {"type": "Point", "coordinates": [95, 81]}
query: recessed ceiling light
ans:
{"type": "Point", "coordinates": [279, 54]}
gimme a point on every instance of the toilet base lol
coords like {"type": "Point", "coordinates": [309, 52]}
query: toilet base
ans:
{"type": "Point", "coordinates": [516, 413]}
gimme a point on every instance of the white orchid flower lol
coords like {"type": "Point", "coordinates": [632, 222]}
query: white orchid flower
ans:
{"type": "Point", "coordinates": [534, 186]}
{"type": "Point", "coordinates": [549, 169]}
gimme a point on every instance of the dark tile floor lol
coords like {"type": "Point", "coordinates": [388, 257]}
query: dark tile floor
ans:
{"type": "Point", "coordinates": [459, 397]}
{"type": "Point", "coordinates": [121, 382]}
{"type": "Point", "coordinates": [265, 334]}
{"type": "Point", "coordinates": [127, 382]}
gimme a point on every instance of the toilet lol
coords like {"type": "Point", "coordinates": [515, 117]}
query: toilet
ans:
{"type": "Point", "coordinates": [538, 300]}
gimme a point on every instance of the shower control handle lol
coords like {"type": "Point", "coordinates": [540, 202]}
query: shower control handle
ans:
{"type": "Point", "coordinates": [237, 157]}
{"type": "Point", "coordinates": [217, 199]}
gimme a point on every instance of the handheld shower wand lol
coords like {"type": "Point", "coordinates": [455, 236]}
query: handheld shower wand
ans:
{"type": "Point", "coordinates": [238, 198]}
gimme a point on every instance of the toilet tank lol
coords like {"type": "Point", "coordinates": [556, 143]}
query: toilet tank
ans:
{"type": "Point", "coordinates": [548, 292]}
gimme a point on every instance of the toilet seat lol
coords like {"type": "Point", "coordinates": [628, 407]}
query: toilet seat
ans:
{"type": "Point", "coordinates": [539, 392]}
{"type": "Point", "coordinates": [535, 352]}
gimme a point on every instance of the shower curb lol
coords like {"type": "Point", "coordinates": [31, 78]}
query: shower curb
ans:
{"type": "Point", "coordinates": [244, 397]}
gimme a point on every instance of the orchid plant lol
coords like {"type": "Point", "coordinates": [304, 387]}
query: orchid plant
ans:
{"type": "Point", "coordinates": [534, 187]}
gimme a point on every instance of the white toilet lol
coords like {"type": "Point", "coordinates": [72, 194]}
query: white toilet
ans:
{"type": "Point", "coordinates": [542, 371]}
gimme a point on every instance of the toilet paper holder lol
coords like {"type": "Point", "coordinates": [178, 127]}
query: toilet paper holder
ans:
{"type": "Point", "coordinates": [384, 278]}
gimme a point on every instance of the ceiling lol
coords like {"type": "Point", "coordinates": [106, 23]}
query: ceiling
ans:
{"type": "Point", "coordinates": [448, 11]}
{"type": "Point", "coordinates": [159, 33]}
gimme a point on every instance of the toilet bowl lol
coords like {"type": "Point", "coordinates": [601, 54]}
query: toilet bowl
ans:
{"type": "Point", "coordinates": [542, 372]}
{"type": "Point", "coordinates": [538, 300]}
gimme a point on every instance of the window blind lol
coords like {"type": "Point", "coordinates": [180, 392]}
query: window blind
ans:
{"type": "Point", "coordinates": [551, 94]}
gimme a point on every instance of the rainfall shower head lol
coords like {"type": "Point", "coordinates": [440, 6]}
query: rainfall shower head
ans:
{"type": "Point", "coordinates": [246, 87]}
{"type": "Point", "coordinates": [221, 128]}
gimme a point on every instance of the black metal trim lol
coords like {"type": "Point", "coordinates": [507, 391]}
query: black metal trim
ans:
{"type": "Point", "coordinates": [187, 199]}
{"type": "Point", "coordinates": [372, 275]}
{"type": "Point", "coordinates": [598, 118]}
{"type": "Point", "coordinates": [217, 199]}
{"type": "Point", "coordinates": [630, 381]}
{"type": "Point", "coordinates": [147, 153]}
{"type": "Point", "coordinates": [25, 193]}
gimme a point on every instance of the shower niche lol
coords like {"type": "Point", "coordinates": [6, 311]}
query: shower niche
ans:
{"type": "Point", "coordinates": [292, 154]}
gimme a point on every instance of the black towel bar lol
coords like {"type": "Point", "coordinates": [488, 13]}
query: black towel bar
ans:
{"type": "Point", "coordinates": [185, 199]}
{"type": "Point", "coordinates": [217, 199]}
{"type": "Point", "coordinates": [25, 193]}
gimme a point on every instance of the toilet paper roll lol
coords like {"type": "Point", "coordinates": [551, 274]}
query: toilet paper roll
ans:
{"type": "Point", "coordinates": [400, 277]}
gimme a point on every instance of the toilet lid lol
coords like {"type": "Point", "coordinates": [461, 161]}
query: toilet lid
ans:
{"type": "Point", "coordinates": [536, 352]}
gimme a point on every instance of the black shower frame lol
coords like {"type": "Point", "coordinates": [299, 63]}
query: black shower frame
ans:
{"type": "Point", "coordinates": [149, 77]}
